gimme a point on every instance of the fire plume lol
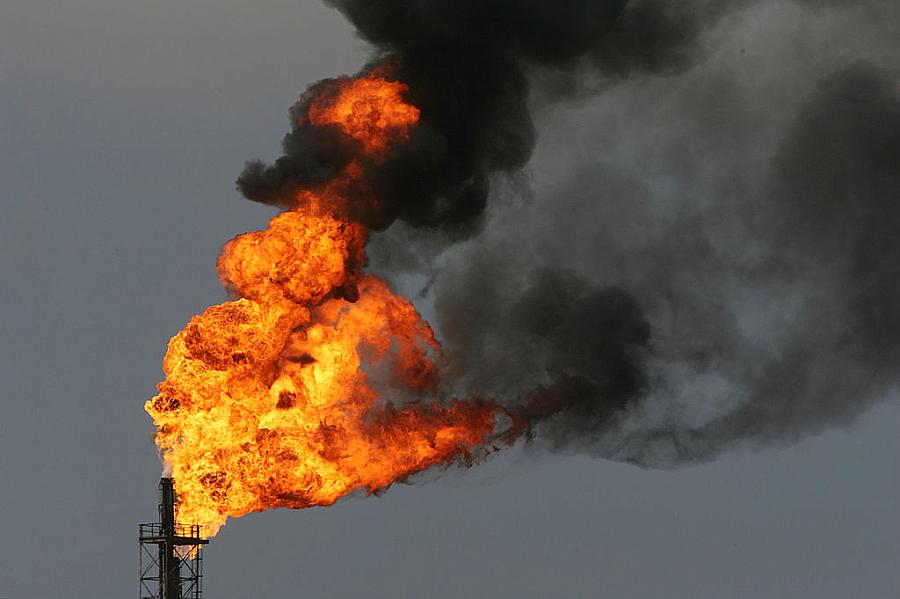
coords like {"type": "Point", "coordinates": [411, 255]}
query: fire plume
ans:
{"type": "Point", "coordinates": [369, 109]}
{"type": "Point", "coordinates": [292, 395]}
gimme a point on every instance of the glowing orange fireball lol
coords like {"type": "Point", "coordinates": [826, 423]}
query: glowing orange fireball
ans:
{"type": "Point", "coordinates": [370, 110]}
{"type": "Point", "coordinates": [272, 400]}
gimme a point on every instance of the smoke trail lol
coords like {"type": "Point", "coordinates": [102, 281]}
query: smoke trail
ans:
{"type": "Point", "coordinates": [617, 369]}
{"type": "Point", "coordinates": [781, 330]}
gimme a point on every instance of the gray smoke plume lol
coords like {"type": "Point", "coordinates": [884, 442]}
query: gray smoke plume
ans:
{"type": "Point", "coordinates": [756, 308]}
{"type": "Point", "coordinates": [723, 278]}
{"type": "Point", "coordinates": [785, 327]}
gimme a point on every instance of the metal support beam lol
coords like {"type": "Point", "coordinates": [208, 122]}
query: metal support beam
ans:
{"type": "Point", "coordinates": [171, 554]}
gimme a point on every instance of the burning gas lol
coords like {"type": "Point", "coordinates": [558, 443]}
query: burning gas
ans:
{"type": "Point", "coordinates": [277, 399]}
{"type": "Point", "coordinates": [317, 380]}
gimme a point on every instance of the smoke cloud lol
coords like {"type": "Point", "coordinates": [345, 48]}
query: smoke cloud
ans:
{"type": "Point", "coordinates": [466, 65]}
{"type": "Point", "coordinates": [794, 335]}
{"type": "Point", "coordinates": [757, 308]}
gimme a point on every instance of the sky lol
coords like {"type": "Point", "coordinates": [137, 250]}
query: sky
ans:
{"type": "Point", "coordinates": [123, 128]}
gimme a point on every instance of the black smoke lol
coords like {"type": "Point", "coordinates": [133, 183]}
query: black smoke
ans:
{"type": "Point", "coordinates": [552, 345]}
{"type": "Point", "coordinates": [466, 64]}
{"type": "Point", "coordinates": [663, 368]}
{"type": "Point", "coordinates": [757, 310]}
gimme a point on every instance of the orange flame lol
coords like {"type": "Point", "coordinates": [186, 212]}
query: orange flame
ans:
{"type": "Point", "coordinates": [272, 400]}
{"type": "Point", "coordinates": [370, 110]}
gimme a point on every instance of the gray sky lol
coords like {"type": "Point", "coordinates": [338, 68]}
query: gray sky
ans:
{"type": "Point", "coordinates": [123, 126]}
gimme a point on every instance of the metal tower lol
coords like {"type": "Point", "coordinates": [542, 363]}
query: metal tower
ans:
{"type": "Point", "coordinates": [171, 553]}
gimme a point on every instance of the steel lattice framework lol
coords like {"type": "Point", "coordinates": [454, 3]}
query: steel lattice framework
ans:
{"type": "Point", "coordinates": [171, 560]}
